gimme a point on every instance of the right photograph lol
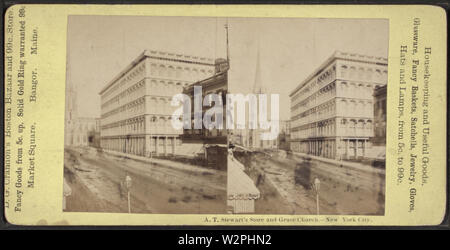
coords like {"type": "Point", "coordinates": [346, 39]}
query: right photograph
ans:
{"type": "Point", "coordinates": [306, 116]}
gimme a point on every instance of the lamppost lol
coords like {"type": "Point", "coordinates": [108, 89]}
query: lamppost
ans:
{"type": "Point", "coordinates": [128, 185]}
{"type": "Point", "coordinates": [316, 188]}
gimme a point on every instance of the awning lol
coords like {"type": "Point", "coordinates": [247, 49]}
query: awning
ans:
{"type": "Point", "coordinates": [190, 149]}
{"type": "Point", "coordinates": [376, 152]}
{"type": "Point", "coordinates": [240, 185]}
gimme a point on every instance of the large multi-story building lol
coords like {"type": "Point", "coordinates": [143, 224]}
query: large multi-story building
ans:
{"type": "Point", "coordinates": [135, 106]}
{"type": "Point", "coordinates": [332, 110]}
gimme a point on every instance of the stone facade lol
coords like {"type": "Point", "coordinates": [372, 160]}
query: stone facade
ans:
{"type": "Point", "coordinates": [332, 111]}
{"type": "Point", "coordinates": [78, 131]}
{"type": "Point", "coordinates": [135, 105]}
{"type": "Point", "coordinates": [82, 131]}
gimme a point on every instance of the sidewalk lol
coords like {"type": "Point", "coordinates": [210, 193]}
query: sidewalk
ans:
{"type": "Point", "coordinates": [354, 165]}
{"type": "Point", "coordinates": [165, 163]}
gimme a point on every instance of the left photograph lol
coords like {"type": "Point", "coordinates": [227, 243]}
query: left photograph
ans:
{"type": "Point", "coordinates": [127, 148]}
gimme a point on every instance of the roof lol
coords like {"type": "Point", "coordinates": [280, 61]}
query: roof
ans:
{"type": "Point", "coordinates": [240, 186]}
{"type": "Point", "coordinates": [242, 148]}
{"type": "Point", "coordinates": [216, 145]}
{"type": "Point", "coordinates": [345, 56]}
{"type": "Point", "coordinates": [191, 149]}
{"type": "Point", "coordinates": [162, 56]}
{"type": "Point", "coordinates": [214, 79]}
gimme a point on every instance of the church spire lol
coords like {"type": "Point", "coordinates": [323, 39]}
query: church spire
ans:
{"type": "Point", "coordinates": [228, 49]}
{"type": "Point", "coordinates": [71, 92]}
{"type": "Point", "coordinates": [258, 85]}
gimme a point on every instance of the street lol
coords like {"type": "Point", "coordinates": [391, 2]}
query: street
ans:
{"type": "Point", "coordinates": [285, 185]}
{"type": "Point", "coordinates": [97, 181]}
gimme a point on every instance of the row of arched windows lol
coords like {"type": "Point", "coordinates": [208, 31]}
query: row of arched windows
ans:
{"type": "Point", "coordinates": [325, 128]}
{"type": "Point", "coordinates": [356, 127]}
{"type": "Point", "coordinates": [162, 125]}
{"type": "Point", "coordinates": [323, 95]}
{"type": "Point", "coordinates": [172, 72]}
{"type": "Point", "coordinates": [124, 82]}
{"type": "Point", "coordinates": [338, 107]}
{"type": "Point", "coordinates": [358, 72]}
{"type": "Point", "coordinates": [356, 89]}
{"type": "Point", "coordinates": [325, 77]}
{"type": "Point", "coordinates": [163, 91]}
{"type": "Point", "coordinates": [320, 112]}
{"type": "Point", "coordinates": [355, 107]}
{"type": "Point", "coordinates": [129, 110]}
{"type": "Point", "coordinates": [317, 129]}
{"type": "Point", "coordinates": [128, 127]}
{"type": "Point", "coordinates": [179, 72]}
{"type": "Point", "coordinates": [166, 88]}
{"type": "Point", "coordinates": [160, 105]}
{"type": "Point", "coordinates": [347, 89]}
{"type": "Point", "coordinates": [133, 92]}
{"type": "Point", "coordinates": [344, 89]}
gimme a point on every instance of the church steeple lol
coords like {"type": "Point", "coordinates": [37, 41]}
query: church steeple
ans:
{"type": "Point", "coordinates": [71, 93]}
{"type": "Point", "coordinates": [228, 47]}
{"type": "Point", "coordinates": [258, 87]}
{"type": "Point", "coordinates": [71, 112]}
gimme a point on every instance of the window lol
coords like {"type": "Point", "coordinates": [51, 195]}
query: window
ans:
{"type": "Point", "coordinates": [178, 72]}
{"type": "Point", "coordinates": [369, 128]}
{"type": "Point", "coordinates": [353, 106]}
{"type": "Point", "coordinates": [153, 69]}
{"type": "Point", "coordinates": [361, 108]}
{"type": "Point", "coordinates": [162, 70]}
{"type": "Point", "coordinates": [369, 74]}
{"type": "Point", "coordinates": [352, 127]}
{"type": "Point", "coordinates": [352, 72]}
{"type": "Point", "coordinates": [361, 73]}
{"type": "Point", "coordinates": [343, 71]}
{"type": "Point", "coordinates": [344, 88]}
{"type": "Point", "coordinates": [378, 75]}
{"type": "Point", "coordinates": [186, 73]}
{"type": "Point", "coordinates": [170, 71]}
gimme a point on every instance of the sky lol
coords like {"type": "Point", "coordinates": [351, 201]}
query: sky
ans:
{"type": "Point", "coordinates": [290, 49]}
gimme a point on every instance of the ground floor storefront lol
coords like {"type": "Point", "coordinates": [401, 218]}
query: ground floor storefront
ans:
{"type": "Point", "coordinates": [334, 148]}
{"type": "Point", "coordinates": [142, 145]}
